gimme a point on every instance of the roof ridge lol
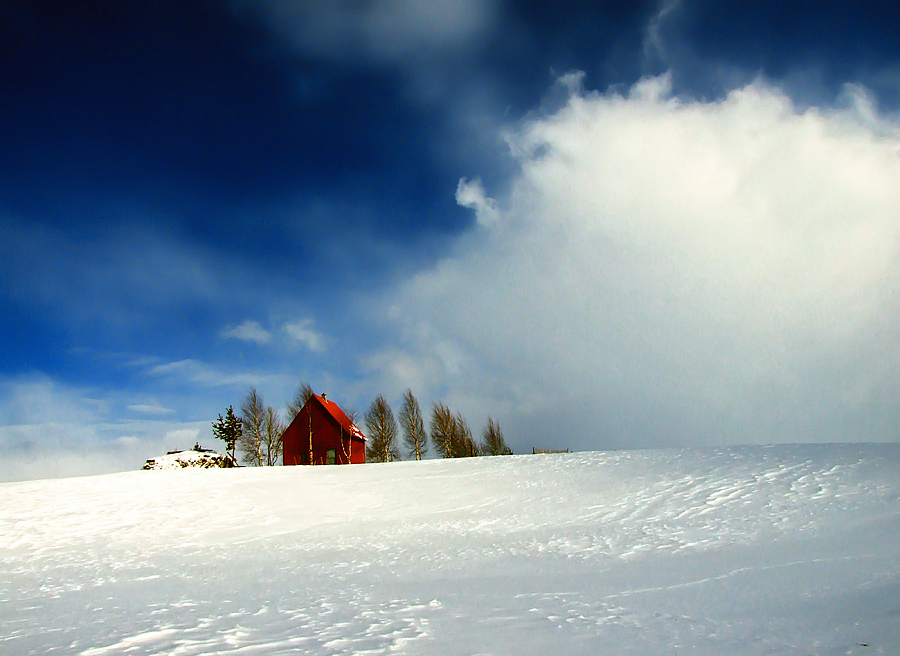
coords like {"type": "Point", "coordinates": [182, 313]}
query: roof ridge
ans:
{"type": "Point", "coordinates": [340, 417]}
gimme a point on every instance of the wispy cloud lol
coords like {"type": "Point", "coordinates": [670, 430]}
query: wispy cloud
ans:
{"type": "Point", "coordinates": [302, 332]}
{"type": "Point", "coordinates": [297, 333]}
{"type": "Point", "coordinates": [203, 374]}
{"type": "Point", "coordinates": [249, 331]}
{"type": "Point", "coordinates": [656, 50]}
{"type": "Point", "coordinates": [385, 32]}
{"type": "Point", "coordinates": [124, 278]}
{"type": "Point", "coordinates": [150, 409]}
{"type": "Point", "coordinates": [49, 429]}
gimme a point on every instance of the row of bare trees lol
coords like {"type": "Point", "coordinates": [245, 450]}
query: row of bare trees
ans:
{"type": "Point", "coordinates": [450, 434]}
{"type": "Point", "coordinates": [257, 433]}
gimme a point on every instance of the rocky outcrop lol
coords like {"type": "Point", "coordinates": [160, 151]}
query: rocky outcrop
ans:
{"type": "Point", "coordinates": [203, 458]}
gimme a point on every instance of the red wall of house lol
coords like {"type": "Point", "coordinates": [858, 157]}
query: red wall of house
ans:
{"type": "Point", "coordinates": [326, 435]}
{"type": "Point", "coordinates": [358, 452]}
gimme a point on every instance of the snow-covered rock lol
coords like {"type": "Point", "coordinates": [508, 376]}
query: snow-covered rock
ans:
{"type": "Point", "coordinates": [203, 458]}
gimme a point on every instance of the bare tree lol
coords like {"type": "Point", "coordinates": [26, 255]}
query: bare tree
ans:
{"type": "Point", "coordinates": [273, 430]}
{"type": "Point", "coordinates": [382, 432]}
{"type": "Point", "coordinates": [450, 434]}
{"type": "Point", "coordinates": [464, 445]}
{"type": "Point", "coordinates": [414, 436]}
{"type": "Point", "coordinates": [443, 429]}
{"type": "Point", "coordinates": [253, 428]}
{"type": "Point", "coordinates": [295, 405]}
{"type": "Point", "coordinates": [346, 444]}
{"type": "Point", "coordinates": [492, 442]}
{"type": "Point", "coordinates": [352, 414]}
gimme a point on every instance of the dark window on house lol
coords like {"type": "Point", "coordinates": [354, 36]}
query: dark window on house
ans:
{"type": "Point", "coordinates": [304, 458]}
{"type": "Point", "coordinates": [329, 455]}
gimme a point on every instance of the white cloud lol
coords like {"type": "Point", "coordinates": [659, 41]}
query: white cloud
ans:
{"type": "Point", "coordinates": [471, 194]}
{"type": "Point", "coordinates": [668, 271]}
{"type": "Point", "coordinates": [303, 333]}
{"type": "Point", "coordinates": [50, 430]}
{"type": "Point", "coordinates": [203, 374]}
{"type": "Point", "coordinates": [428, 43]}
{"type": "Point", "coordinates": [149, 409]}
{"type": "Point", "coordinates": [181, 438]}
{"type": "Point", "coordinates": [655, 48]}
{"type": "Point", "coordinates": [386, 32]}
{"type": "Point", "coordinates": [249, 331]}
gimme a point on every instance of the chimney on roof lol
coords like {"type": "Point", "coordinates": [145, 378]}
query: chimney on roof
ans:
{"type": "Point", "coordinates": [324, 397]}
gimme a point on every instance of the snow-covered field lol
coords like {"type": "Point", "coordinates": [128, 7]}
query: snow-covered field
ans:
{"type": "Point", "coordinates": [756, 550]}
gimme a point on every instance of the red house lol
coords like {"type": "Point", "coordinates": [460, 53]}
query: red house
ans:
{"type": "Point", "coordinates": [321, 434]}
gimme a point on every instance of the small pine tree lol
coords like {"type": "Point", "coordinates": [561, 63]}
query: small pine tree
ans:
{"type": "Point", "coordinates": [229, 430]}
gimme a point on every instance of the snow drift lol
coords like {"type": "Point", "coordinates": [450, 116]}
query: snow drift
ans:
{"type": "Point", "coordinates": [775, 550]}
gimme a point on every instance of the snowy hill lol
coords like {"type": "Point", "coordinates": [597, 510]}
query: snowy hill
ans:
{"type": "Point", "coordinates": [757, 550]}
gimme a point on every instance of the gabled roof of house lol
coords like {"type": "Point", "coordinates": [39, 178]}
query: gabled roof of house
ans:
{"type": "Point", "coordinates": [340, 417]}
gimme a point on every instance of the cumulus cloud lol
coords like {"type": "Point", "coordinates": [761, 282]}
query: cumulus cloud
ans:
{"type": "Point", "coordinates": [471, 194]}
{"type": "Point", "coordinates": [671, 271]}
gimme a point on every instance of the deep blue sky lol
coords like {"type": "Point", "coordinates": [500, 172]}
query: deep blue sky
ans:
{"type": "Point", "coordinates": [200, 196]}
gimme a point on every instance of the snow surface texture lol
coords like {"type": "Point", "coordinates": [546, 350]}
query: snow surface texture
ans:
{"type": "Point", "coordinates": [757, 550]}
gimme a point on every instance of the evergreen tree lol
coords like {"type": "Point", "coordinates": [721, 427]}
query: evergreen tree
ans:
{"type": "Point", "coordinates": [414, 436]}
{"type": "Point", "coordinates": [492, 442]}
{"type": "Point", "coordinates": [382, 432]}
{"type": "Point", "coordinates": [228, 429]}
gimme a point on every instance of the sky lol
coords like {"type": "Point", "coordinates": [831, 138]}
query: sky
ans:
{"type": "Point", "coordinates": [606, 225]}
